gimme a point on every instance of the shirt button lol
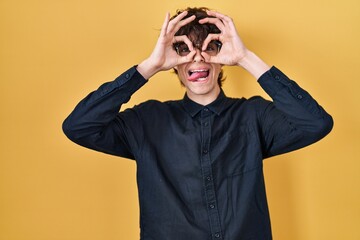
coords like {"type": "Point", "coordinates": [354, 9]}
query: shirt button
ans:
{"type": "Point", "coordinates": [217, 235]}
{"type": "Point", "coordinates": [127, 76]}
{"type": "Point", "coordinates": [212, 206]}
{"type": "Point", "coordinates": [208, 178]}
{"type": "Point", "coordinates": [205, 151]}
{"type": "Point", "coordinates": [206, 109]}
{"type": "Point", "coordinates": [299, 96]}
{"type": "Point", "coordinates": [277, 77]}
{"type": "Point", "coordinates": [206, 124]}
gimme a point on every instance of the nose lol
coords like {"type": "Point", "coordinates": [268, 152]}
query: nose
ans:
{"type": "Point", "coordinates": [198, 57]}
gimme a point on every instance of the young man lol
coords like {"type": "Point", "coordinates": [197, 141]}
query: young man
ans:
{"type": "Point", "coordinates": [199, 159]}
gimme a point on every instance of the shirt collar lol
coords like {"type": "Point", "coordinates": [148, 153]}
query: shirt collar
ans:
{"type": "Point", "coordinates": [217, 106]}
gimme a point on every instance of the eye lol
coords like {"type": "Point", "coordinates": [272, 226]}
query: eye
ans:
{"type": "Point", "coordinates": [184, 48]}
{"type": "Point", "coordinates": [210, 47]}
{"type": "Point", "coordinates": [181, 48]}
{"type": "Point", "coordinates": [213, 47]}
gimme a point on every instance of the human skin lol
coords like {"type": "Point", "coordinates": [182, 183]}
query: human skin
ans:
{"type": "Point", "coordinates": [233, 53]}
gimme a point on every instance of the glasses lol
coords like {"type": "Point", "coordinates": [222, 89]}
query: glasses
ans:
{"type": "Point", "coordinates": [213, 48]}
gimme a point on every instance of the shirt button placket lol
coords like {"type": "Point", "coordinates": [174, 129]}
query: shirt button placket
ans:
{"type": "Point", "coordinates": [207, 175]}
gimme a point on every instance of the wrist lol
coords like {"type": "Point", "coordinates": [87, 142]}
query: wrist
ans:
{"type": "Point", "coordinates": [147, 69]}
{"type": "Point", "coordinates": [253, 64]}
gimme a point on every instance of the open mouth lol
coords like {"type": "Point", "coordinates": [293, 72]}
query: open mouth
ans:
{"type": "Point", "coordinates": [198, 75]}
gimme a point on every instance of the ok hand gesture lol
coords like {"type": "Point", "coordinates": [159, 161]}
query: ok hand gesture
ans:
{"type": "Point", "coordinates": [163, 56]}
{"type": "Point", "coordinates": [233, 49]}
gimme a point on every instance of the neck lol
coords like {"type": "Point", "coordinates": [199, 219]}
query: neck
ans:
{"type": "Point", "coordinates": [203, 99]}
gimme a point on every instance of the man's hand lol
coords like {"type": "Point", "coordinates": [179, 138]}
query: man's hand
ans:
{"type": "Point", "coordinates": [163, 56]}
{"type": "Point", "coordinates": [233, 51]}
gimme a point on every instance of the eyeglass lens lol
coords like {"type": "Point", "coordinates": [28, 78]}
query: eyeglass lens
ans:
{"type": "Point", "coordinates": [212, 48]}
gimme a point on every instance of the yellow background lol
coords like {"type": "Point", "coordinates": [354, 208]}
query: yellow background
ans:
{"type": "Point", "coordinates": [52, 53]}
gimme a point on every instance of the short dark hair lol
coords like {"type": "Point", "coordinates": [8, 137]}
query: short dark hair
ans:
{"type": "Point", "coordinates": [197, 32]}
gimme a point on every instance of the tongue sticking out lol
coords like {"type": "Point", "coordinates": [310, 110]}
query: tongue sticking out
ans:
{"type": "Point", "coordinates": [196, 75]}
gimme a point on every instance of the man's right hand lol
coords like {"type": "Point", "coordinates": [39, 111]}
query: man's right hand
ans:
{"type": "Point", "coordinates": [164, 57]}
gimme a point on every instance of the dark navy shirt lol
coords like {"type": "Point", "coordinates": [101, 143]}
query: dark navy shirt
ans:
{"type": "Point", "coordinates": [199, 168]}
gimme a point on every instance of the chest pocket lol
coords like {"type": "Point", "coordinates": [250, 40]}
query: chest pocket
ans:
{"type": "Point", "coordinates": [237, 151]}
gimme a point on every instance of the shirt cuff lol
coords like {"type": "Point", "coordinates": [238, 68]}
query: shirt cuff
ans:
{"type": "Point", "coordinates": [137, 80]}
{"type": "Point", "coordinates": [273, 81]}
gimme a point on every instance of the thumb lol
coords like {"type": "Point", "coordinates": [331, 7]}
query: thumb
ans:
{"type": "Point", "coordinates": [210, 59]}
{"type": "Point", "coordinates": [187, 58]}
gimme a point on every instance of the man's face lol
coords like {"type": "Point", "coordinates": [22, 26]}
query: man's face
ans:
{"type": "Point", "coordinates": [199, 77]}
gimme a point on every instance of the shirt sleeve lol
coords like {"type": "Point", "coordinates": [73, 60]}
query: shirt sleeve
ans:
{"type": "Point", "coordinates": [294, 119]}
{"type": "Point", "coordinates": [96, 123]}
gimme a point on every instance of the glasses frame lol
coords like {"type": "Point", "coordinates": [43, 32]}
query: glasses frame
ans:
{"type": "Point", "coordinates": [177, 45]}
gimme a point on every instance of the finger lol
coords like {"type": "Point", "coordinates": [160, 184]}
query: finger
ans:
{"type": "Point", "coordinates": [227, 21]}
{"type": "Point", "coordinates": [177, 19]}
{"type": "Point", "coordinates": [165, 25]}
{"type": "Point", "coordinates": [216, 21]}
{"type": "Point", "coordinates": [210, 37]}
{"type": "Point", "coordinates": [210, 59]}
{"type": "Point", "coordinates": [180, 16]}
{"type": "Point", "coordinates": [223, 17]}
{"type": "Point", "coordinates": [206, 57]}
{"type": "Point", "coordinates": [183, 23]}
{"type": "Point", "coordinates": [187, 58]}
{"type": "Point", "coordinates": [185, 39]}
